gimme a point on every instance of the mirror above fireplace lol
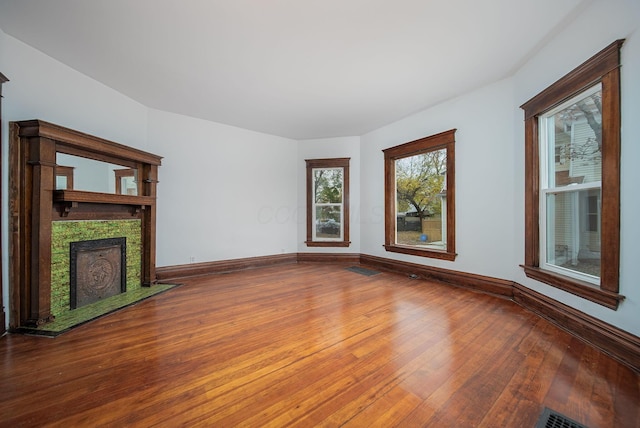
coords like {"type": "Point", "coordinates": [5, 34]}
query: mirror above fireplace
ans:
{"type": "Point", "coordinates": [79, 173]}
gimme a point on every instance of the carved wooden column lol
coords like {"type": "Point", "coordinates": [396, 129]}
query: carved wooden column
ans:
{"type": "Point", "coordinates": [2, 313]}
{"type": "Point", "coordinates": [42, 160]}
{"type": "Point", "coordinates": [150, 181]}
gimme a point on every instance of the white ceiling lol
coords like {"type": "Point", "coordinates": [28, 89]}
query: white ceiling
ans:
{"type": "Point", "coordinates": [294, 68]}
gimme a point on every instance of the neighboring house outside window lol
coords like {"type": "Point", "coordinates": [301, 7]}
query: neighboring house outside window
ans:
{"type": "Point", "coordinates": [327, 202]}
{"type": "Point", "coordinates": [570, 192]}
{"type": "Point", "coordinates": [572, 205]}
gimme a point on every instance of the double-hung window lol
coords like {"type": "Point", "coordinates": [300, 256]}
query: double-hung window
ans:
{"type": "Point", "coordinates": [571, 187]}
{"type": "Point", "coordinates": [328, 202]}
{"type": "Point", "coordinates": [572, 177]}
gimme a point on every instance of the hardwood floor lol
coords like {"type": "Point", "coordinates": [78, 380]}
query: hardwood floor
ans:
{"type": "Point", "coordinates": [313, 345]}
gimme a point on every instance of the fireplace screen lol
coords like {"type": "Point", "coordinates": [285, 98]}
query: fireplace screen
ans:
{"type": "Point", "coordinates": [98, 270]}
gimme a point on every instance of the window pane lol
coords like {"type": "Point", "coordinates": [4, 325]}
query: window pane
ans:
{"type": "Point", "coordinates": [574, 135]}
{"type": "Point", "coordinates": [327, 202]}
{"type": "Point", "coordinates": [328, 185]}
{"type": "Point", "coordinates": [421, 200]}
{"type": "Point", "coordinates": [328, 221]}
{"type": "Point", "coordinates": [573, 231]}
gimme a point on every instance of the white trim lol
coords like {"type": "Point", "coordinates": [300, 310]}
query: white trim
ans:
{"type": "Point", "coordinates": [572, 188]}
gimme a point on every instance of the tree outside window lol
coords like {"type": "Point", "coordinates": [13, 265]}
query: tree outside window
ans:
{"type": "Point", "coordinates": [419, 197]}
{"type": "Point", "coordinates": [421, 200]}
{"type": "Point", "coordinates": [327, 202]}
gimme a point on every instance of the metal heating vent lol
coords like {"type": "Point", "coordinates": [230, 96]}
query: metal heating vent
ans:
{"type": "Point", "coordinates": [363, 271]}
{"type": "Point", "coordinates": [552, 419]}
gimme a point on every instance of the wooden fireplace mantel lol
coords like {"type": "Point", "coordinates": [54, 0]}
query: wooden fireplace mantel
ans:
{"type": "Point", "coordinates": [34, 204]}
{"type": "Point", "coordinates": [72, 203]}
{"type": "Point", "coordinates": [101, 198]}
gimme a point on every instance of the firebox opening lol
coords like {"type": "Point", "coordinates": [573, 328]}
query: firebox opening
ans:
{"type": "Point", "coordinates": [98, 270]}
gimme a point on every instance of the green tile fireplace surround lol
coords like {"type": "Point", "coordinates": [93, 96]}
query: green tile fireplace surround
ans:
{"type": "Point", "coordinates": [65, 232]}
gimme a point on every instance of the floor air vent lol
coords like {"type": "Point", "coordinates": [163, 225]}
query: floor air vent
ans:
{"type": "Point", "coordinates": [363, 271]}
{"type": "Point", "coordinates": [552, 419]}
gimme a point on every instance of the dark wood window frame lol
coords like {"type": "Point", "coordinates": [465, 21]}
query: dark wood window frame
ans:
{"type": "Point", "coordinates": [604, 68]}
{"type": "Point", "coordinates": [443, 140]}
{"type": "Point", "coordinates": [328, 163]}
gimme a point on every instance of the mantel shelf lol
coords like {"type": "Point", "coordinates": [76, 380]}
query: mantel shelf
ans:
{"type": "Point", "coordinates": [101, 198]}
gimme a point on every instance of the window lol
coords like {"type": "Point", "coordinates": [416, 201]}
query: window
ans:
{"type": "Point", "coordinates": [420, 197]}
{"type": "Point", "coordinates": [328, 202]}
{"type": "Point", "coordinates": [572, 179]}
{"type": "Point", "coordinates": [570, 191]}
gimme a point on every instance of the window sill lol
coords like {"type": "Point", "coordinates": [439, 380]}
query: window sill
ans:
{"type": "Point", "coordinates": [327, 243]}
{"type": "Point", "coordinates": [434, 254]}
{"type": "Point", "coordinates": [579, 288]}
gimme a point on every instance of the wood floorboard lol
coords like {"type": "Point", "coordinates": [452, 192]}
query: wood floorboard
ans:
{"type": "Point", "coordinates": [313, 345]}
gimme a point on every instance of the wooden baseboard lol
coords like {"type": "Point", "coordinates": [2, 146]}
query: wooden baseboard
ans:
{"type": "Point", "coordinates": [617, 343]}
{"type": "Point", "coordinates": [171, 273]}
{"type": "Point", "coordinates": [484, 284]}
{"type": "Point", "coordinates": [329, 258]}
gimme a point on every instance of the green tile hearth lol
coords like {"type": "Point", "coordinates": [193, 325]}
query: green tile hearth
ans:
{"type": "Point", "coordinates": [79, 316]}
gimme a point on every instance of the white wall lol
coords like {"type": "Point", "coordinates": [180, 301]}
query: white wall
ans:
{"type": "Point", "coordinates": [346, 147]}
{"type": "Point", "coordinates": [484, 167]}
{"type": "Point", "coordinates": [490, 161]}
{"type": "Point", "coordinates": [224, 192]}
{"type": "Point", "coordinates": [40, 87]}
{"type": "Point", "coordinates": [598, 26]}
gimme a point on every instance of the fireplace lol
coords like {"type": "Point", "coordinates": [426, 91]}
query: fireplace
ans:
{"type": "Point", "coordinates": [40, 286]}
{"type": "Point", "coordinates": [98, 269]}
